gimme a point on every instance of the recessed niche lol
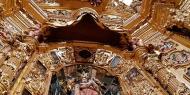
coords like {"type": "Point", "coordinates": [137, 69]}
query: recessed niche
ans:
{"type": "Point", "coordinates": [85, 54]}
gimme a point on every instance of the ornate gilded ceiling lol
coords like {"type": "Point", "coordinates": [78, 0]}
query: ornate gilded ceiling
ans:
{"type": "Point", "coordinates": [113, 14]}
{"type": "Point", "coordinates": [95, 47]}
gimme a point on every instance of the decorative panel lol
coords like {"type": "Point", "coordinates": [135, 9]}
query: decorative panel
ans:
{"type": "Point", "coordinates": [178, 58]}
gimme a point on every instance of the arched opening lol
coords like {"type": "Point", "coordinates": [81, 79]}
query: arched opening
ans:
{"type": "Point", "coordinates": [84, 80]}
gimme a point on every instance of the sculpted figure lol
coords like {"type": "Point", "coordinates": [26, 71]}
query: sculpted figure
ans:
{"type": "Point", "coordinates": [135, 42]}
{"type": "Point", "coordinates": [154, 52]}
{"type": "Point", "coordinates": [88, 86]}
{"type": "Point", "coordinates": [35, 31]}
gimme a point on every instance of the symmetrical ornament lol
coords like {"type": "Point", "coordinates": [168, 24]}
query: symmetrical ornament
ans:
{"type": "Point", "coordinates": [108, 58]}
{"type": "Point", "coordinates": [103, 57]}
{"type": "Point", "coordinates": [179, 57]}
{"type": "Point", "coordinates": [68, 17]}
{"type": "Point", "coordinates": [72, 70]}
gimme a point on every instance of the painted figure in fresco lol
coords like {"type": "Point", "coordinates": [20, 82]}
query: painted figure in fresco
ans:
{"type": "Point", "coordinates": [9, 38]}
{"type": "Point", "coordinates": [60, 54]}
{"type": "Point", "coordinates": [180, 58]}
{"type": "Point", "coordinates": [9, 35]}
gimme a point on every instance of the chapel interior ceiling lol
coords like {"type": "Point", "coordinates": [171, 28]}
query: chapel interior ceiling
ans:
{"type": "Point", "coordinates": [95, 47]}
{"type": "Point", "coordinates": [112, 13]}
{"type": "Point", "coordinates": [95, 30]}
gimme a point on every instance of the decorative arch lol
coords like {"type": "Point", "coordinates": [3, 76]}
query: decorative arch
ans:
{"type": "Point", "coordinates": [59, 62]}
{"type": "Point", "coordinates": [85, 10]}
{"type": "Point", "coordinates": [62, 61]}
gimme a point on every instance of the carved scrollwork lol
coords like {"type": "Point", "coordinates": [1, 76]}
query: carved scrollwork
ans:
{"type": "Point", "coordinates": [4, 80]}
{"type": "Point", "coordinates": [167, 79]}
{"type": "Point", "coordinates": [112, 21]}
{"type": "Point", "coordinates": [178, 58]}
{"type": "Point", "coordinates": [102, 57]}
{"type": "Point", "coordinates": [35, 79]}
{"type": "Point", "coordinates": [66, 54]}
{"type": "Point", "coordinates": [11, 64]}
{"type": "Point", "coordinates": [143, 88]}
{"type": "Point", "coordinates": [180, 15]}
{"type": "Point", "coordinates": [182, 89]}
{"type": "Point", "coordinates": [46, 60]}
{"type": "Point", "coordinates": [153, 66]}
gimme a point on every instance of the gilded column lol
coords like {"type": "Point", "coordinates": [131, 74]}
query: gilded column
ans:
{"type": "Point", "coordinates": [168, 81]}
{"type": "Point", "coordinates": [9, 69]}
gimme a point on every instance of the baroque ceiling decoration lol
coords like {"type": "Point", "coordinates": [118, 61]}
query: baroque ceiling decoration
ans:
{"type": "Point", "coordinates": [182, 14]}
{"type": "Point", "coordinates": [67, 17]}
{"type": "Point", "coordinates": [81, 47]}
